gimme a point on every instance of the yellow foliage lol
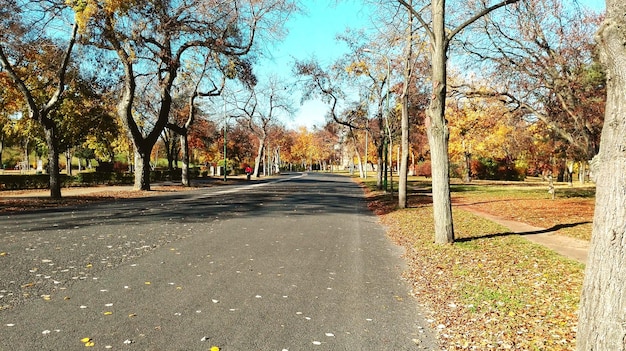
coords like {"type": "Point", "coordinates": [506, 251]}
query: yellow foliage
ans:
{"type": "Point", "coordinates": [479, 128]}
{"type": "Point", "coordinates": [358, 68]}
{"type": "Point", "coordinates": [87, 9]}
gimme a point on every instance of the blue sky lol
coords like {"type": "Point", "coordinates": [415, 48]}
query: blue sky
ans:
{"type": "Point", "coordinates": [312, 34]}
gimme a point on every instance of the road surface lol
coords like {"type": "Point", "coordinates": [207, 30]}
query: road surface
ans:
{"type": "Point", "coordinates": [294, 263]}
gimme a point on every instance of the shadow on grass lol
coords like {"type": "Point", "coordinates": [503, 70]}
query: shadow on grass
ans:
{"type": "Point", "coordinates": [533, 232]}
{"type": "Point", "coordinates": [382, 203]}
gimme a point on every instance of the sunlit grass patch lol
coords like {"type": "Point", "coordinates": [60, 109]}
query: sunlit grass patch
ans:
{"type": "Point", "coordinates": [491, 289]}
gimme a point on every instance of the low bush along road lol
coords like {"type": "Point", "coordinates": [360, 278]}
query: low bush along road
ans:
{"type": "Point", "coordinates": [293, 263]}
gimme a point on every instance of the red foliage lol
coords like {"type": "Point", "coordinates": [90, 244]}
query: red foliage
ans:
{"type": "Point", "coordinates": [424, 169]}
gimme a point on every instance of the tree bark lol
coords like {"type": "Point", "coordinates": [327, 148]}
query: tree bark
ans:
{"type": "Point", "coordinates": [184, 146]}
{"type": "Point", "coordinates": [380, 152]}
{"type": "Point", "coordinates": [467, 177]}
{"type": "Point", "coordinates": [53, 161]}
{"type": "Point", "coordinates": [602, 324]}
{"type": "Point", "coordinates": [258, 158]}
{"type": "Point", "coordinates": [437, 129]}
{"type": "Point", "coordinates": [142, 167]}
{"type": "Point", "coordinates": [404, 158]}
{"type": "Point", "coordinates": [403, 170]}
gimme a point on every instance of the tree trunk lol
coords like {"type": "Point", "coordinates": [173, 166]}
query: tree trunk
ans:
{"type": "Point", "coordinates": [379, 166]}
{"type": "Point", "coordinates": [404, 159]}
{"type": "Point", "coordinates": [53, 162]}
{"type": "Point", "coordinates": [603, 304]}
{"type": "Point", "coordinates": [68, 162]}
{"type": "Point", "coordinates": [142, 168]}
{"type": "Point", "coordinates": [1, 151]}
{"type": "Point", "coordinates": [570, 173]}
{"type": "Point", "coordinates": [582, 165]}
{"type": "Point", "coordinates": [184, 146]}
{"type": "Point", "coordinates": [259, 157]}
{"type": "Point", "coordinates": [437, 130]}
{"type": "Point", "coordinates": [467, 177]}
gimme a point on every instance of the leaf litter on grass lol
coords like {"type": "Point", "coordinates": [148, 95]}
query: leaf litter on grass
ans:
{"type": "Point", "coordinates": [491, 289]}
{"type": "Point", "coordinates": [571, 213]}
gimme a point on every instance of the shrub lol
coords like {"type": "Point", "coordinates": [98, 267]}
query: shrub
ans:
{"type": "Point", "coordinates": [424, 169]}
{"type": "Point", "coordinates": [496, 169]}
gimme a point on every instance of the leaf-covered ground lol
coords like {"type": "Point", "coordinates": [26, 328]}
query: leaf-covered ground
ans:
{"type": "Point", "coordinates": [491, 290]}
{"type": "Point", "coordinates": [571, 211]}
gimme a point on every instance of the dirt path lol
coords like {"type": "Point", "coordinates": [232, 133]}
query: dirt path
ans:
{"type": "Point", "coordinates": [575, 249]}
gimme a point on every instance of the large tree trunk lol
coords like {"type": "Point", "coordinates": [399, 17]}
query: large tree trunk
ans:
{"type": "Point", "coordinates": [403, 170]}
{"type": "Point", "coordinates": [53, 162]}
{"type": "Point", "coordinates": [404, 159]}
{"type": "Point", "coordinates": [603, 305]}
{"type": "Point", "coordinates": [142, 167]}
{"type": "Point", "coordinates": [259, 157]}
{"type": "Point", "coordinates": [437, 130]}
{"type": "Point", "coordinates": [358, 157]}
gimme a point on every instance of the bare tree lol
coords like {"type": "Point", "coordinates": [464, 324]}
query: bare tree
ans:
{"type": "Point", "coordinates": [261, 110]}
{"type": "Point", "coordinates": [440, 35]}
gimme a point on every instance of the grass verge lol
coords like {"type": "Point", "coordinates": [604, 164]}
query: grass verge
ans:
{"type": "Point", "coordinates": [489, 290]}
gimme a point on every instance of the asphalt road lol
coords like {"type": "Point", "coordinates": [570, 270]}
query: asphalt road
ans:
{"type": "Point", "coordinates": [294, 263]}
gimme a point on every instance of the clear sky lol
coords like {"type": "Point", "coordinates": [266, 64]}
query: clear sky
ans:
{"type": "Point", "coordinates": [312, 34]}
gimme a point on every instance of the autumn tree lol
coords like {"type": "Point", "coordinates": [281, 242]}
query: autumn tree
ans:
{"type": "Point", "coordinates": [10, 105]}
{"type": "Point", "coordinates": [210, 80]}
{"type": "Point", "coordinates": [541, 57]}
{"type": "Point", "coordinates": [326, 143]}
{"type": "Point", "coordinates": [603, 307]}
{"type": "Point", "coordinates": [284, 139]}
{"type": "Point", "coordinates": [84, 112]}
{"type": "Point", "coordinates": [37, 66]}
{"type": "Point", "coordinates": [440, 34]}
{"type": "Point", "coordinates": [479, 128]}
{"type": "Point", "coordinates": [302, 149]}
{"type": "Point", "coordinates": [152, 40]}
{"type": "Point", "coordinates": [203, 136]}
